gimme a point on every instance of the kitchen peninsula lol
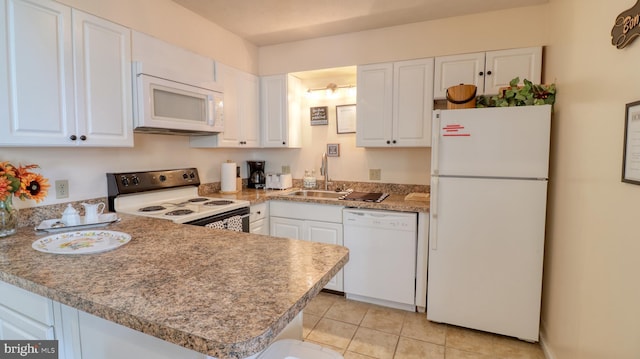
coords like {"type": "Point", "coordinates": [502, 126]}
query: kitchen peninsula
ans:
{"type": "Point", "coordinates": [221, 293]}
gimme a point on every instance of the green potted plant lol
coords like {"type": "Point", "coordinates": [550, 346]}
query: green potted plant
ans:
{"type": "Point", "coordinates": [525, 95]}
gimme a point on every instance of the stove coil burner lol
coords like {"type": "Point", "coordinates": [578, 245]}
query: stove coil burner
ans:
{"type": "Point", "coordinates": [218, 203]}
{"type": "Point", "coordinates": [151, 209]}
{"type": "Point", "coordinates": [198, 199]}
{"type": "Point", "coordinates": [178, 212]}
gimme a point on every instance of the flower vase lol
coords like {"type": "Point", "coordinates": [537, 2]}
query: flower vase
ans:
{"type": "Point", "coordinates": [8, 217]}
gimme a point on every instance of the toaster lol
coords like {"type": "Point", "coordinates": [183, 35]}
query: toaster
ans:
{"type": "Point", "coordinates": [279, 181]}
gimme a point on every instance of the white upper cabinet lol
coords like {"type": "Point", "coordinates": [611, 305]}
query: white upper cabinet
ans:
{"type": "Point", "coordinates": [456, 70]}
{"type": "Point", "coordinates": [489, 71]}
{"type": "Point", "coordinates": [280, 101]}
{"type": "Point", "coordinates": [44, 46]}
{"type": "Point", "coordinates": [394, 104]}
{"type": "Point", "coordinates": [102, 53]}
{"type": "Point", "coordinates": [241, 112]}
{"type": "Point", "coordinates": [36, 73]}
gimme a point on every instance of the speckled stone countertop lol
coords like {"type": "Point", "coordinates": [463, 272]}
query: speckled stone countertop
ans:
{"type": "Point", "coordinates": [222, 293]}
{"type": "Point", "coordinates": [395, 202]}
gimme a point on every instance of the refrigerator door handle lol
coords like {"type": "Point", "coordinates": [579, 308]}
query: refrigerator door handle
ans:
{"type": "Point", "coordinates": [435, 142]}
{"type": "Point", "coordinates": [433, 223]}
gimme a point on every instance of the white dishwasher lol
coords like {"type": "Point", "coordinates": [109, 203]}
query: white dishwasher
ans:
{"type": "Point", "coordinates": [382, 257]}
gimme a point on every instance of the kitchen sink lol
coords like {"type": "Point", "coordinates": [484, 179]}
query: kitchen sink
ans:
{"type": "Point", "coordinates": [317, 194]}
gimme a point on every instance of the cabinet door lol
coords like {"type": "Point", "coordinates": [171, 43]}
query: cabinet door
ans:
{"type": "Point", "coordinates": [24, 315]}
{"type": "Point", "coordinates": [102, 53]}
{"type": "Point", "coordinates": [286, 227]}
{"type": "Point", "coordinates": [259, 218]}
{"type": "Point", "coordinates": [502, 66]}
{"type": "Point", "coordinates": [294, 110]}
{"type": "Point", "coordinates": [231, 136]}
{"type": "Point", "coordinates": [374, 105]}
{"type": "Point", "coordinates": [412, 103]}
{"type": "Point", "coordinates": [260, 226]}
{"type": "Point", "coordinates": [248, 111]}
{"type": "Point", "coordinates": [458, 69]}
{"type": "Point", "coordinates": [36, 73]}
{"type": "Point", "coordinates": [241, 113]}
{"type": "Point", "coordinates": [273, 103]}
{"type": "Point", "coordinates": [328, 233]}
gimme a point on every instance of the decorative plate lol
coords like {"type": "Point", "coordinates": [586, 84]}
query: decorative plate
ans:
{"type": "Point", "coordinates": [81, 242]}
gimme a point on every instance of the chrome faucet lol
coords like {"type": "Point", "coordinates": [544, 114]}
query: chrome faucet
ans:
{"type": "Point", "coordinates": [324, 170]}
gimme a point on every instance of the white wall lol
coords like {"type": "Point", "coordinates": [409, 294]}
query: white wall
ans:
{"type": "Point", "coordinates": [591, 288]}
{"type": "Point", "coordinates": [473, 33]}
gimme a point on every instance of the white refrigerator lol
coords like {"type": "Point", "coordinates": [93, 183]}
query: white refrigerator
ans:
{"type": "Point", "coordinates": [489, 170]}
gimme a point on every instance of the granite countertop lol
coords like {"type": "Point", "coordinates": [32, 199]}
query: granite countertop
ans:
{"type": "Point", "coordinates": [394, 202]}
{"type": "Point", "coordinates": [225, 294]}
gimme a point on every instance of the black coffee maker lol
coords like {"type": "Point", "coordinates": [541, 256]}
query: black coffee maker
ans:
{"type": "Point", "coordinates": [257, 178]}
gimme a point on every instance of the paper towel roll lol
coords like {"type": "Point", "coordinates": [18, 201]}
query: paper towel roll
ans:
{"type": "Point", "coordinates": [228, 177]}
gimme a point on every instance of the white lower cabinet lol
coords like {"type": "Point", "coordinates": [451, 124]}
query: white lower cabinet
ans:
{"type": "Point", "coordinates": [422, 257]}
{"type": "Point", "coordinates": [24, 315]}
{"type": "Point", "coordinates": [15, 326]}
{"type": "Point", "coordinates": [259, 219]}
{"type": "Point", "coordinates": [311, 222]}
{"type": "Point", "coordinates": [102, 339]}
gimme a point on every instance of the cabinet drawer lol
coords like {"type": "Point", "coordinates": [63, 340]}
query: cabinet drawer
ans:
{"type": "Point", "coordinates": [258, 211]}
{"type": "Point", "coordinates": [14, 326]}
{"type": "Point", "coordinates": [26, 303]}
{"type": "Point", "coordinates": [298, 210]}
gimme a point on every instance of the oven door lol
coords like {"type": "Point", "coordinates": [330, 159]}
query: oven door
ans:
{"type": "Point", "coordinates": [233, 220]}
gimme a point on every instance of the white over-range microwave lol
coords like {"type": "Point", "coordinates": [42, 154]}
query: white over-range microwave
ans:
{"type": "Point", "coordinates": [168, 106]}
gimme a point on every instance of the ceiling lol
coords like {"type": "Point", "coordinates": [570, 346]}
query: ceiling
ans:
{"type": "Point", "coordinates": [269, 22]}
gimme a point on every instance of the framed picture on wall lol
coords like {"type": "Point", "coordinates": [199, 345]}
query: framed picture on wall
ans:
{"type": "Point", "coordinates": [319, 115]}
{"type": "Point", "coordinates": [346, 118]}
{"type": "Point", "coordinates": [631, 150]}
{"type": "Point", "coordinates": [333, 150]}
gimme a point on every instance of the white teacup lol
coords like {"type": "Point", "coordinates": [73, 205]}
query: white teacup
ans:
{"type": "Point", "coordinates": [92, 211]}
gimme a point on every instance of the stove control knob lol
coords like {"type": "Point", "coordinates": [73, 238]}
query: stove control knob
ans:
{"type": "Point", "coordinates": [125, 181]}
{"type": "Point", "coordinates": [185, 176]}
{"type": "Point", "coordinates": [163, 178]}
{"type": "Point", "coordinates": [135, 180]}
{"type": "Point", "coordinates": [192, 175]}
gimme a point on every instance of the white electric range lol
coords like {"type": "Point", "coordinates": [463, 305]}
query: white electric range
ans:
{"type": "Point", "coordinates": [173, 195]}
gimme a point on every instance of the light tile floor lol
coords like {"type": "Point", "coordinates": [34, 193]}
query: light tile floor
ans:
{"type": "Point", "coordinates": [364, 331]}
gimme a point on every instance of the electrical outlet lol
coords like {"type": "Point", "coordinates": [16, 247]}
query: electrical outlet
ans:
{"type": "Point", "coordinates": [374, 174]}
{"type": "Point", "coordinates": [286, 169]}
{"type": "Point", "coordinates": [62, 189]}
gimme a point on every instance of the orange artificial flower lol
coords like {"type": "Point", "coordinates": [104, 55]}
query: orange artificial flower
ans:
{"type": "Point", "coordinates": [22, 182]}
{"type": "Point", "coordinates": [7, 169]}
{"type": "Point", "coordinates": [5, 188]}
